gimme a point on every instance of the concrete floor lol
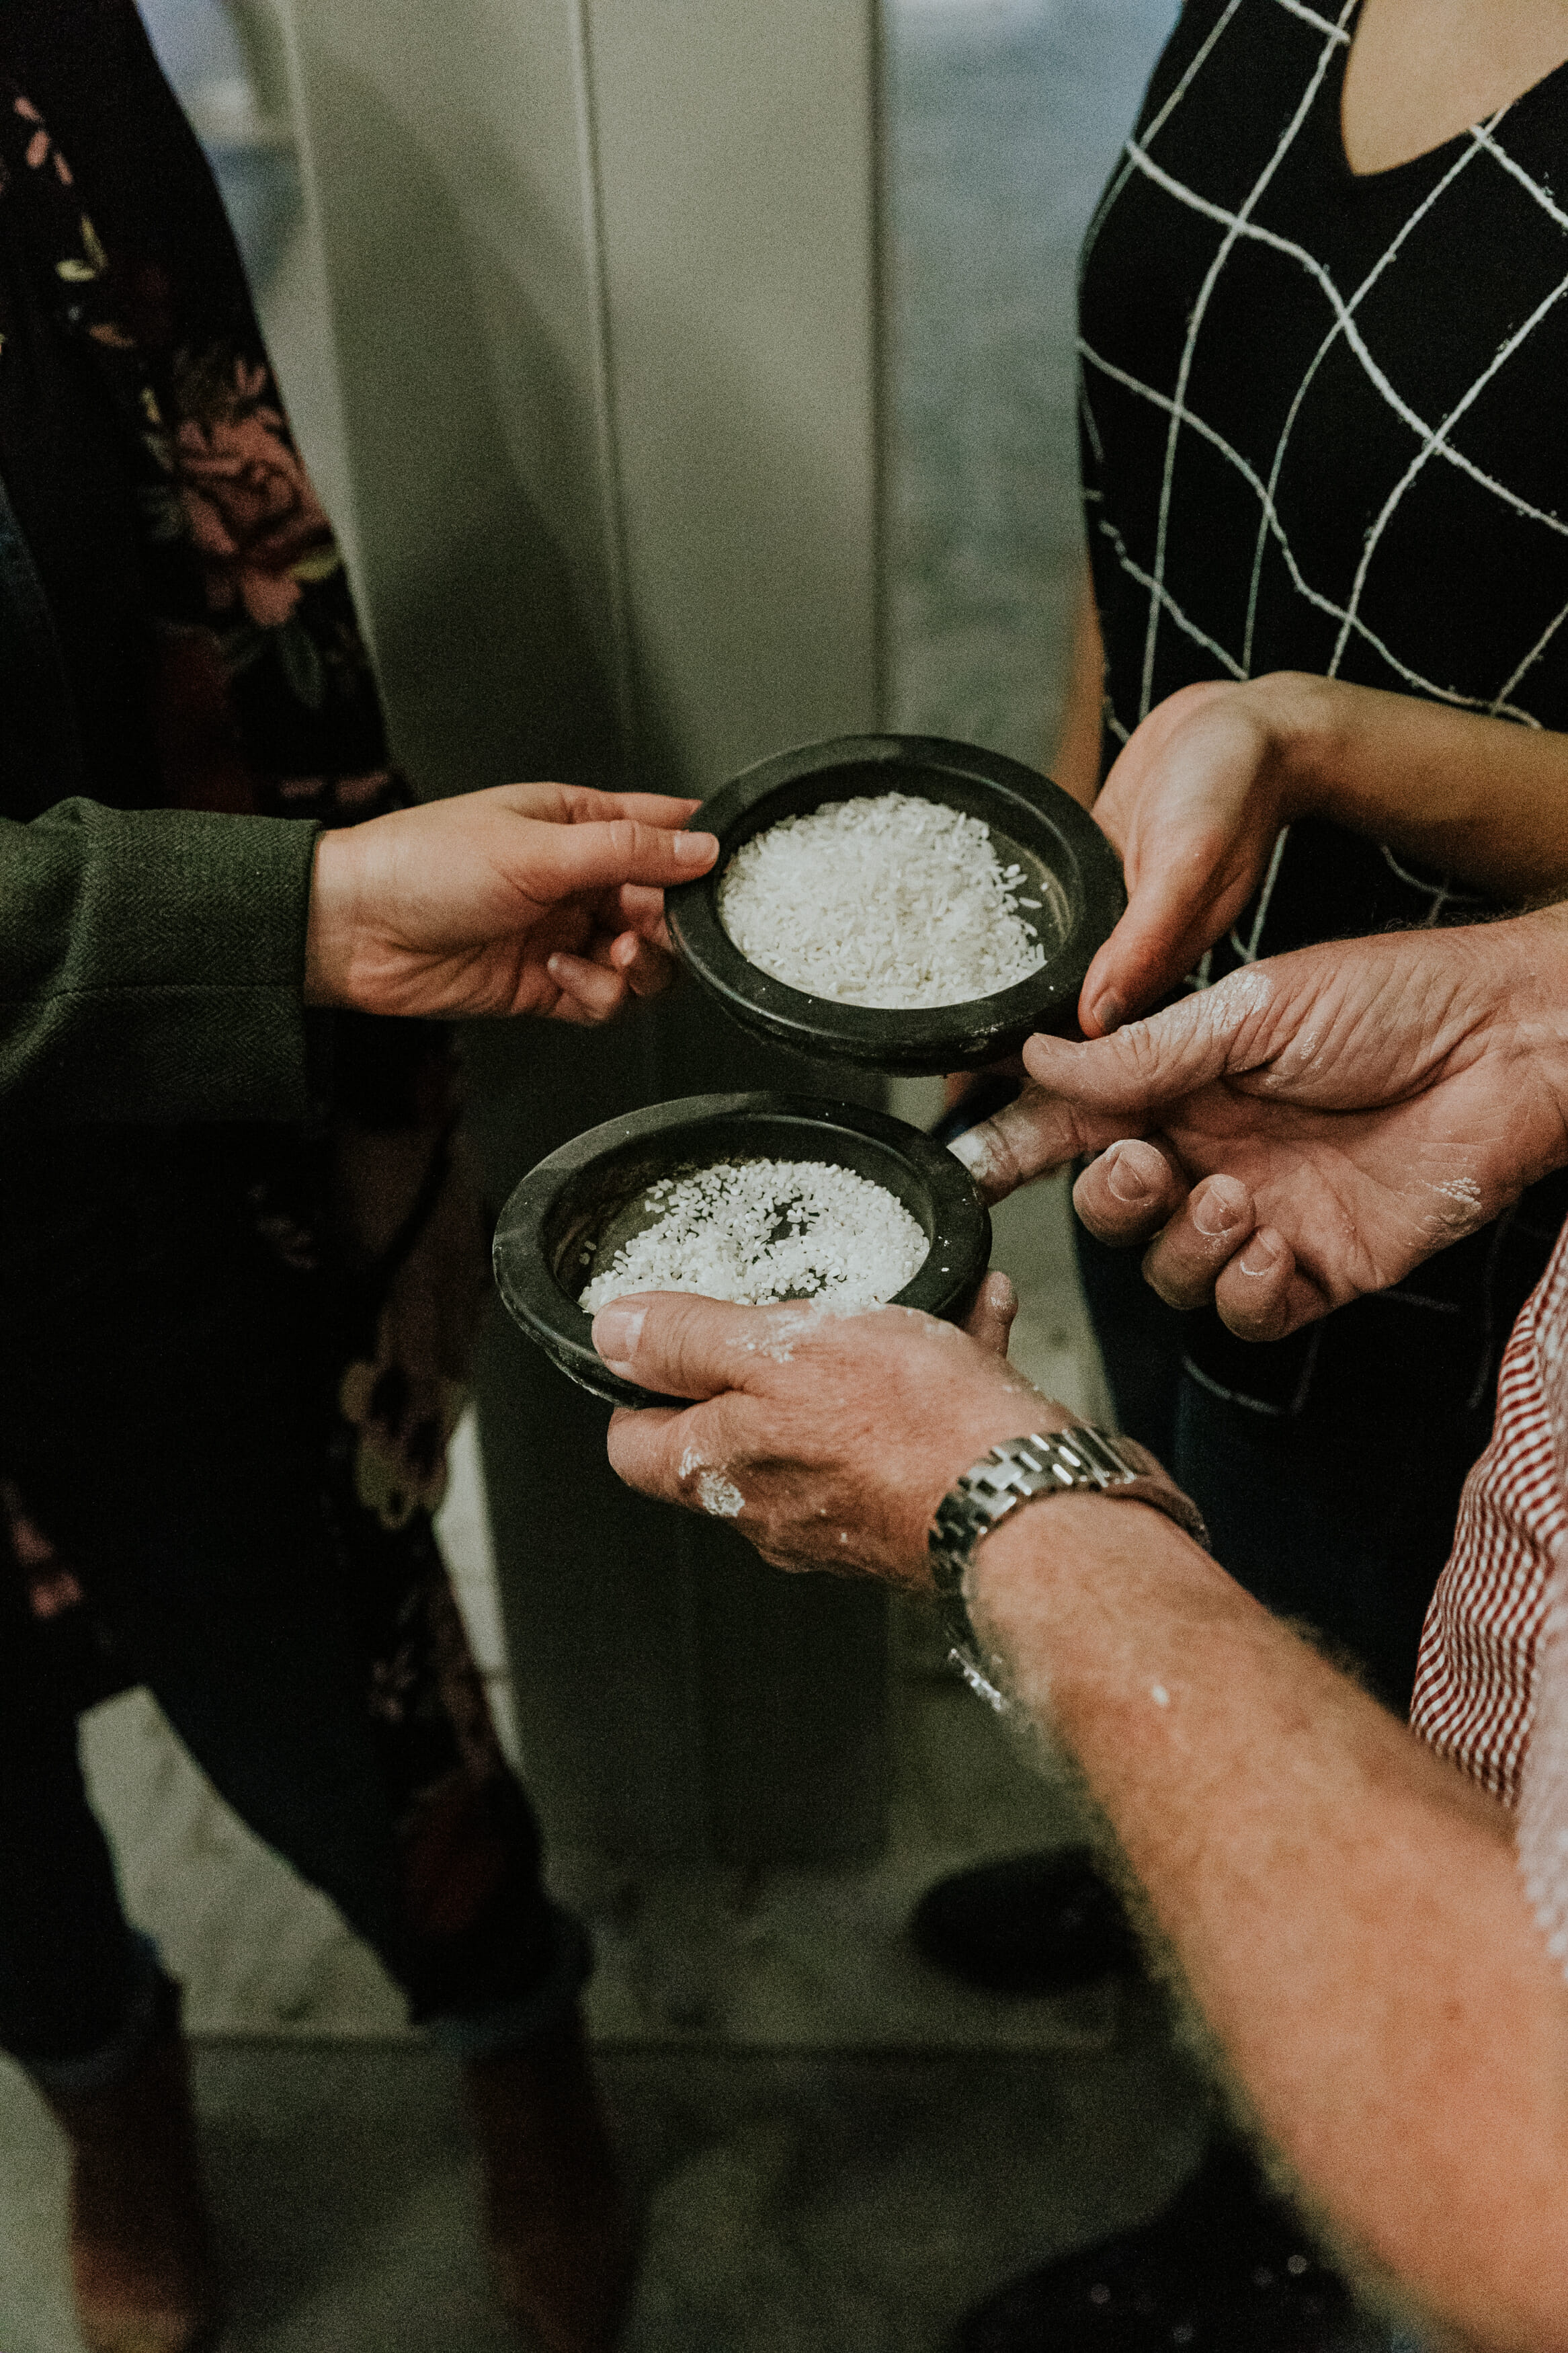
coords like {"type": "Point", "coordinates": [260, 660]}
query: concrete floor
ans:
{"type": "Point", "coordinates": [805, 2203]}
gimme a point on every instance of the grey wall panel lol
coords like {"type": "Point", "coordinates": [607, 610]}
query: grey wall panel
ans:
{"type": "Point", "coordinates": [737, 150]}
{"type": "Point", "coordinates": [443, 150]}
{"type": "Point", "coordinates": [600, 278]}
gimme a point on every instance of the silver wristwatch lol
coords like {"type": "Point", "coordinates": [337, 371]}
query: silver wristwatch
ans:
{"type": "Point", "coordinates": [1018, 1473]}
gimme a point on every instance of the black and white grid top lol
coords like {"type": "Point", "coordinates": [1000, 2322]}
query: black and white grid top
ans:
{"type": "Point", "coordinates": [1324, 423]}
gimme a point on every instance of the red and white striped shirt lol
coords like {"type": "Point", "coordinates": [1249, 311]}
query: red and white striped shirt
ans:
{"type": "Point", "coordinates": [1492, 1689]}
{"type": "Point", "coordinates": [1484, 1644]}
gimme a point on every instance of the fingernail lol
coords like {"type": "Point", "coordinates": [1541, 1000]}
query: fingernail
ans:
{"type": "Point", "coordinates": [1110, 1013]}
{"type": "Point", "coordinates": [1261, 1255]}
{"type": "Point", "coordinates": [616, 1334]}
{"type": "Point", "coordinates": [695, 849]}
{"type": "Point", "coordinates": [1214, 1214]}
{"type": "Point", "coordinates": [971, 1146]}
{"type": "Point", "coordinates": [1127, 1182]}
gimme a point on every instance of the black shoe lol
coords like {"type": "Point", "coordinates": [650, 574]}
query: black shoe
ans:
{"type": "Point", "coordinates": [1226, 2269]}
{"type": "Point", "coordinates": [1038, 1924]}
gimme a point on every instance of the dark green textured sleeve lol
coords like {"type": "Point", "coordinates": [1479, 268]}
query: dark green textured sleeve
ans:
{"type": "Point", "coordinates": [150, 964]}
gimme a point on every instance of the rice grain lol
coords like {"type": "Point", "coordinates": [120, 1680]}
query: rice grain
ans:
{"type": "Point", "coordinates": [755, 1231]}
{"type": "Point", "coordinates": [887, 900]}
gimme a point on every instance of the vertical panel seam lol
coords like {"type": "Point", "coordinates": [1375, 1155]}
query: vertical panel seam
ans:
{"type": "Point", "coordinates": [612, 496]}
{"type": "Point", "coordinates": [880, 358]}
{"type": "Point", "coordinates": [346, 526]}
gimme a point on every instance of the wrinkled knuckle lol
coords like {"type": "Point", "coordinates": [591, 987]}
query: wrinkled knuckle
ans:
{"type": "Point", "coordinates": [1001, 1165]}
{"type": "Point", "coordinates": [1137, 1049]}
{"type": "Point", "coordinates": [665, 1341]}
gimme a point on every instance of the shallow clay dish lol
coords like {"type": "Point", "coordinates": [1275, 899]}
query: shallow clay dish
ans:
{"type": "Point", "coordinates": [1072, 870]}
{"type": "Point", "coordinates": [577, 1208]}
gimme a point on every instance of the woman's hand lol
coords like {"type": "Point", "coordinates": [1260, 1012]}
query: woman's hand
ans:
{"type": "Point", "coordinates": [1199, 796]}
{"type": "Point", "coordinates": [1194, 805]}
{"type": "Point", "coordinates": [544, 899]}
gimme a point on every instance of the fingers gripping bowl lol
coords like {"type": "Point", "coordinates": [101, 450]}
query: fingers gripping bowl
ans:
{"type": "Point", "coordinates": [1063, 878]}
{"type": "Point", "coordinates": [571, 1216]}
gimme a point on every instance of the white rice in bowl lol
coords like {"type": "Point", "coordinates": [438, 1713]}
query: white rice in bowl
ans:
{"type": "Point", "coordinates": [754, 1230]}
{"type": "Point", "coordinates": [887, 900]}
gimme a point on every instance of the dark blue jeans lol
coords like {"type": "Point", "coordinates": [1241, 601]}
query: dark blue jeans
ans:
{"type": "Point", "coordinates": [1341, 1515]}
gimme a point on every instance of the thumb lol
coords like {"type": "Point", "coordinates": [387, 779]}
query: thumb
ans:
{"type": "Point", "coordinates": [561, 861]}
{"type": "Point", "coordinates": [681, 1345]}
{"type": "Point", "coordinates": [1123, 1083]}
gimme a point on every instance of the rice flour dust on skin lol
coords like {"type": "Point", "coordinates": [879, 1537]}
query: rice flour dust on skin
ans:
{"type": "Point", "coordinates": [720, 1496]}
{"type": "Point", "coordinates": [756, 1231]}
{"type": "Point", "coordinates": [887, 900]}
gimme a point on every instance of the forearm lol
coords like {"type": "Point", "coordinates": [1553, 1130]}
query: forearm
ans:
{"type": "Point", "coordinates": [150, 964]}
{"type": "Point", "coordinates": [1075, 762]}
{"type": "Point", "coordinates": [1483, 799]}
{"type": "Point", "coordinates": [1345, 1910]}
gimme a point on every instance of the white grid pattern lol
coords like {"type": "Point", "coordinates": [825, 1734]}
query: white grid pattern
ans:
{"type": "Point", "coordinates": [1237, 225]}
{"type": "Point", "coordinates": [1430, 438]}
{"type": "Point", "coordinates": [1321, 37]}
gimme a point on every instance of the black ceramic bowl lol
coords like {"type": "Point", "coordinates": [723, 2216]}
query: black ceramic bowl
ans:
{"type": "Point", "coordinates": [1073, 870]}
{"type": "Point", "coordinates": [585, 1197]}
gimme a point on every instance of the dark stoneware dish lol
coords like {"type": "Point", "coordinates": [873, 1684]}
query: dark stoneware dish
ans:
{"type": "Point", "coordinates": [581, 1203]}
{"type": "Point", "coordinates": [1072, 869]}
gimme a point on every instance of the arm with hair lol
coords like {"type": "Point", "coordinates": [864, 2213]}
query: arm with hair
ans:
{"type": "Point", "coordinates": [1343, 1910]}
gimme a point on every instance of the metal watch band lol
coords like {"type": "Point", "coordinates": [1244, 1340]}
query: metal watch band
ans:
{"type": "Point", "coordinates": [1023, 1470]}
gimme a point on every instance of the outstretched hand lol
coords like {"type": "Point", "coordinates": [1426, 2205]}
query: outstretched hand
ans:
{"type": "Point", "coordinates": [1313, 1127]}
{"type": "Point", "coordinates": [828, 1440]}
{"type": "Point", "coordinates": [543, 899]}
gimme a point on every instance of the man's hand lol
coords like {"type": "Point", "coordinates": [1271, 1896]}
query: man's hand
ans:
{"type": "Point", "coordinates": [1318, 1124]}
{"type": "Point", "coordinates": [828, 1441]}
{"type": "Point", "coordinates": [544, 899]}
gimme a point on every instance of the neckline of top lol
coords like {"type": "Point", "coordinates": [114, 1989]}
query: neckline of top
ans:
{"type": "Point", "coordinates": [1390, 173]}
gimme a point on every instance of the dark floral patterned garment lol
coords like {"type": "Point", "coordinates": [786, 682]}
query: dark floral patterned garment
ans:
{"type": "Point", "coordinates": [211, 659]}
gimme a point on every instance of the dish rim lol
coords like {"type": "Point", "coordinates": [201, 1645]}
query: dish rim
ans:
{"type": "Point", "coordinates": [920, 1039]}
{"type": "Point", "coordinates": [538, 1303]}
